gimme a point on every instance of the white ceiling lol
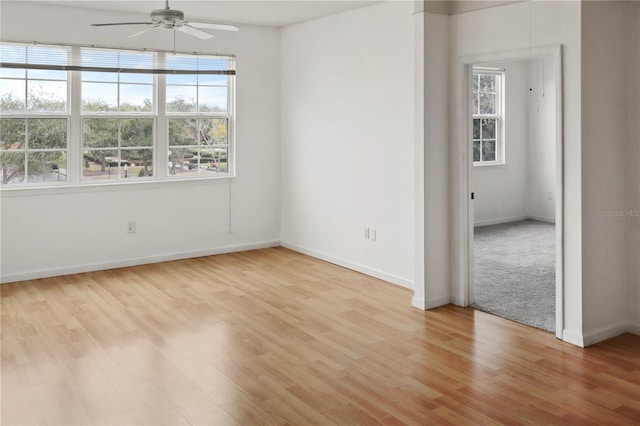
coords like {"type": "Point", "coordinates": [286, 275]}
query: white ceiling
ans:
{"type": "Point", "coordinates": [277, 13]}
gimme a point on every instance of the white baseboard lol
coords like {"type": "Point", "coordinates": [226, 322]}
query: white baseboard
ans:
{"type": "Point", "coordinates": [100, 266]}
{"type": "Point", "coordinates": [542, 219]}
{"type": "Point", "coordinates": [634, 329]}
{"type": "Point", "coordinates": [500, 220]}
{"type": "Point", "coordinates": [573, 337]}
{"type": "Point", "coordinates": [436, 303]}
{"type": "Point", "coordinates": [418, 303]}
{"type": "Point", "coordinates": [425, 305]}
{"type": "Point", "coordinates": [394, 279]}
{"type": "Point", "coordinates": [613, 330]}
{"type": "Point", "coordinates": [513, 219]}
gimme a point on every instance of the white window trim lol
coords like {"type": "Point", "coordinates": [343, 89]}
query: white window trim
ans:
{"type": "Point", "coordinates": [501, 159]}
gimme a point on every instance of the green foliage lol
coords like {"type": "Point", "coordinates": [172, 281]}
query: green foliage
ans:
{"type": "Point", "coordinates": [196, 142]}
{"type": "Point", "coordinates": [12, 133]}
{"type": "Point", "coordinates": [8, 102]}
{"type": "Point", "coordinates": [12, 164]}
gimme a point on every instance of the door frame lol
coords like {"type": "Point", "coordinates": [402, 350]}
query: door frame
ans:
{"type": "Point", "coordinates": [467, 151]}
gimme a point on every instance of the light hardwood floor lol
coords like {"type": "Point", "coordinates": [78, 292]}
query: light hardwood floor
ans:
{"type": "Point", "coordinates": [275, 337]}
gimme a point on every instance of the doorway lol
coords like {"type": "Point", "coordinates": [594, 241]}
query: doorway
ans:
{"type": "Point", "coordinates": [515, 182]}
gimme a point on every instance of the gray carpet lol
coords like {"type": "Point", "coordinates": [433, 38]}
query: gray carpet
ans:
{"type": "Point", "coordinates": [514, 272]}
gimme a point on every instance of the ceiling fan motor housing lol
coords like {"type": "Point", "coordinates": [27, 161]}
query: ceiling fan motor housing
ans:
{"type": "Point", "coordinates": [167, 17]}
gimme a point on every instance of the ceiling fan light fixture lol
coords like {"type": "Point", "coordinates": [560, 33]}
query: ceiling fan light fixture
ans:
{"type": "Point", "coordinates": [169, 15]}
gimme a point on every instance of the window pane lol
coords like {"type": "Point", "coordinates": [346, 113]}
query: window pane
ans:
{"type": "Point", "coordinates": [100, 164]}
{"type": "Point", "coordinates": [213, 79]}
{"type": "Point", "coordinates": [487, 83]}
{"type": "Point", "coordinates": [99, 97]}
{"type": "Point", "coordinates": [47, 95]}
{"type": "Point", "coordinates": [136, 78]}
{"type": "Point", "coordinates": [183, 161]}
{"type": "Point", "coordinates": [12, 167]}
{"type": "Point", "coordinates": [475, 83]}
{"type": "Point", "coordinates": [136, 97]}
{"type": "Point", "coordinates": [213, 160]}
{"type": "Point", "coordinates": [190, 79]}
{"type": "Point", "coordinates": [213, 131]}
{"type": "Point", "coordinates": [476, 128]}
{"type": "Point", "coordinates": [212, 99]}
{"type": "Point", "coordinates": [100, 133]}
{"type": "Point", "coordinates": [12, 133]}
{"type": "Point", "coordinates": [476, 150]}
{"type": "Point", "coordinates": [488, 128]}
{"type": "Point", "coordinates": [220, 155]}
{"type": "Point", "coordinates": [182, 131]}
{"type": "Point", "coordinates": [13, 72]}
{"type": "Point", "coordinates": [137, 163]}
{"type": "Point", "coordinates": [47, 75]}
{"type": "Point", "coordinates": [100, 76]}
{"type": "Point", "coordinates": [12, 95]}
{"type": "Point", "coordinates": [181, 98]}
{"type": "Point", "coordinates": [136, 132]}
{"type": "Point", "coordinates": [489, 150]}
{"type": "Point", "coordinates": [47, 166]}
{"type": "Point", "coordinates": [487, 103]}
{"type": "Point", "coordinates": [47, 133]}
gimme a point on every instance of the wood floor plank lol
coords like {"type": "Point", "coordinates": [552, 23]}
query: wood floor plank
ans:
{"type": "Point", "coordinates": [276, 337]}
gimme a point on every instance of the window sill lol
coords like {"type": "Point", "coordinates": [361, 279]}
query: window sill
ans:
{"type": "Point", "coordinates": [69, 188]}
{"type": "Point", "coordinates": [489, 165]}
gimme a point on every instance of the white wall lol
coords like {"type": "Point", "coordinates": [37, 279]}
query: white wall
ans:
{"type": "Point", "coordinates": [75, 229]}
{"type": "Point", "coordinates": [500, 190]}
{"type": "Point", "coordinates": [431, 169]}
{"type": "Point", "coordinates": [632, 180]}
{"type": "Point", "coordinates": [481, 34]}
{"type": "Point", "coordinates": [605, 131]}
{"type": "Point", "coordinates": [347, 139]}
{"type": "Point", "coordinates": [541, 141]}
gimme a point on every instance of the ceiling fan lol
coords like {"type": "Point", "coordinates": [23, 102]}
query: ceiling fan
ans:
{"type": "Point", "coordinates": [173, 19]}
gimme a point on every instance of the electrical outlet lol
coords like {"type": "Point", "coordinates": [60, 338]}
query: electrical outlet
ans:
{"type": "Point", "coordinates": [366, 233]}
{"type": "Point", "coordinates": [131, 227]}
{"type": "Point", "coordinates": [372, 234]}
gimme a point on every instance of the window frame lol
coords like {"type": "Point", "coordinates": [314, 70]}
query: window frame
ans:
{"type": "Point", "coordinates": [499, 115]}
{"type": "Point", "coordinates": [27, 115]}
{"type": "Point", "coordinates": [75, 116]}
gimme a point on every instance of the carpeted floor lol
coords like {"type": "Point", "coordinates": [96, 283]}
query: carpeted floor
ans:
{"type": "Point", "coordinates": [514, 272]}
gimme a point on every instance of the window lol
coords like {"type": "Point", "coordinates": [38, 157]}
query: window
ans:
{"type": "Point", "coordinates": [488, 116]}
{"type": "Point", "coordinates": [34, 124]}
{"type": "Point", "coordinates": [140, 115]}
{"type": "Point", "coordinates": [118, 117]}
{"type": "Point", "coordinates": [197, 108]}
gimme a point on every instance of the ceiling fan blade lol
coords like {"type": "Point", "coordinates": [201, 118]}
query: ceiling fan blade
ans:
{"type": "Point", "coordinates": [193, 32]}
{"type": "Point", "coordinates": [211, 26]}
{"type": "Point", "coordinates": [143, 31]}
{"type": "Point", "coordinates": [121, 23]}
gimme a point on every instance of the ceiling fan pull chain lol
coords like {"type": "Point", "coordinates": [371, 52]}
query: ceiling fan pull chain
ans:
{"type": "Point", "coordinates": [166, 4]}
